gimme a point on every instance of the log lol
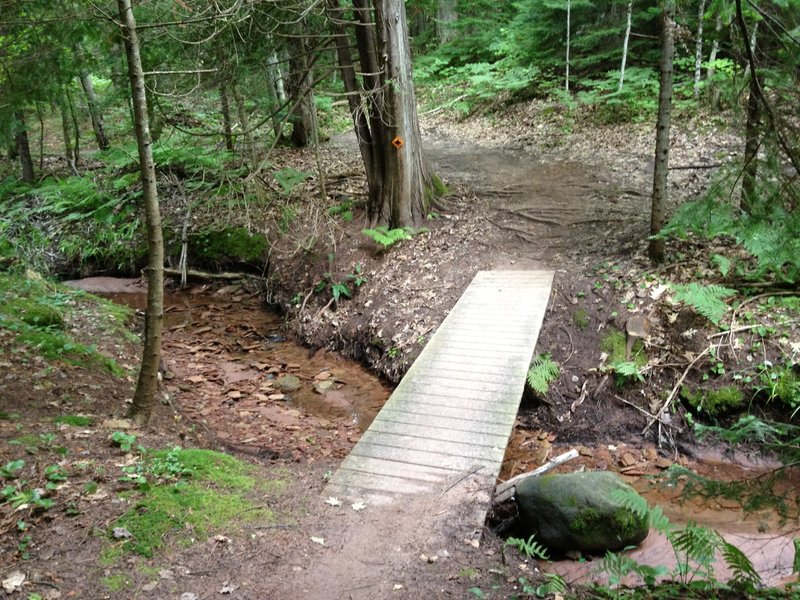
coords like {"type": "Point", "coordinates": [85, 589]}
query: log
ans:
{"type": "Point", "coordinates": [208, 275]}
{"type": "Point", "coordinates": [507, 489]}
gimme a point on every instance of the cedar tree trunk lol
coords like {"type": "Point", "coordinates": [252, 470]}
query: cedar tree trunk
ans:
{"type": "Point", "coordinates": [23, 148]}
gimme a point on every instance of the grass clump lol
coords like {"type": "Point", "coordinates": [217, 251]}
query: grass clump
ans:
{"type": "Point", "coordinates": [73, 420]}
{"type": "Point", "coordinates": [194, 492]}
{"type": "Point", "coordinates": [36, 311]}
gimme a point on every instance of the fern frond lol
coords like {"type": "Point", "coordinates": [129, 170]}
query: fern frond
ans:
{"type": "Point", "coordinates": [628, 370]}
{"type": "Point", "coordinates": [632, 501]}
{"type": "Point", "coordinates": [707, 300]}
{"type": "Point", "coordinates": [542, 372]}
{"type": "Point", "coordinates": [744, 573]}
{"type": "Point", "coordinates": [530, 547]}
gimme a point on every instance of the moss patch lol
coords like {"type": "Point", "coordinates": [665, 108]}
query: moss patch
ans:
{"type": "Point", "coordinates": [614, 344]}
{"type": "Point", "coordinates": [714, 402]}
{"type": "Point", "coordinates": [580, 318]}
{"type": "Point", "coordinates": [212, 495]}
{"type": "Point", "coordinates": [229, 245]}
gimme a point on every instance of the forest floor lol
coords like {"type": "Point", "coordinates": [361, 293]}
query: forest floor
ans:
{"type": "Point", "coordinates": [531, 188]}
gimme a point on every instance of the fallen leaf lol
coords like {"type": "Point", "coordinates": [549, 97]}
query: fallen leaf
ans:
{"type": "Point", "coordinates": [322, 376]}
{"type": "Point", "coordinates": [121, 532]}
{"type": "Point", "coordinates": [227, 588]}
{"type": "Point", "coordinates": [333, 501]}
{"type": "Point", "coordinates": [196, 379]}
{"type": "Point", "coordinates": [397, 586]}
{"type": "Point", "coordinates": [13, 583]}
{"type": "Point", "coordinates": [318, 540]}
{"type": "Point", "coordinates": [357, 506]}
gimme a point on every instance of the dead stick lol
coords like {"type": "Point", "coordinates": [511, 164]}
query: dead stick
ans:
{"type": "Point", "coordinates": [506, 490]}
{"type": "Point", "coordinates": [674, 391]}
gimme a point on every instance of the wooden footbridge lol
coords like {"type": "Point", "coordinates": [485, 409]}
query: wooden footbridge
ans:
{"type": "Point", "coordinates": [446, 426]}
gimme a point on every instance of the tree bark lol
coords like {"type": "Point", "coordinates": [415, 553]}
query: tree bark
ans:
{"type": "Point", "coordinates": [625, 45]}
{"type": "Point", "coordinates": [147, 383]}
{"type": "Point", "coordinates": [698, 51]}
{"type": "Point", "coordinates": [569, 34]}
{"type": "Point", "coordinates": [23, 148]}
{"type": "Point", "coordinates": [661, 168]}
{"type": "Point", "coordinates": [227, 126]}
{"type": "Point", "coordinates": [69, 155]}
{"type": "Point", "coordinates": [712, 58]}
{"type": "Point", "coordinates": [299, 83]}
{"type": "Point", "coordinates": [384, 111]}
{"type": "Point", "coordinates": [94, 112]}
{"type": "Point", "coordinates": [446, 16]}
{"type": "Point", "coordinates": [752, 129]}
{"type": "Point", "coordinates": [76, 130]}
{"type": "Point", "coordinates": [244, 123]}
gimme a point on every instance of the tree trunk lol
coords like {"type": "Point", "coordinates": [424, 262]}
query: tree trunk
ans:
{"type": "Point", "coordinates": [147, 384]}
{"type": "Point", "coordinates": [446, 16]}
{"type": "Point", "coordinates": [661, 169]}
{"type": "Point", "coordinates": [23, 148]}
{"type": "Point", "coordinates": [227, 126]}
{"type": "Point", "coordinates": [94, 112]}
{"type": "Point", "coordinates": [69, 155]}
{"type": "Point", "coordinates": [41, 135]}
{"type": "Point", "coordinates": [407, 180]}
{"type": "Point", "coordinates": [569, 34]}
{"type": "Point", "coordinates": [244, 123]}
{"type": "Point", "coordinates": [625, 45]}
{"type": "Point", "coordinates": [752, 140]}
{"type": "Point", "coordinates": [712, 58]}
{"type": "Point", "coordinates": [698, 50]}
{"type": "Point", "coordinates": [302, 97]}
{"type": "Point", "coordinates": [76, 130]}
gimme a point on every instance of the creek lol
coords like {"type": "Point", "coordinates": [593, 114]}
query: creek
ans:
{"type": "Point", "coordinates": [226, 355]}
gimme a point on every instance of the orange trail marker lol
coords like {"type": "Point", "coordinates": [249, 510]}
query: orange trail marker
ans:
{"type": "Point", "coordinates": [397, 142]}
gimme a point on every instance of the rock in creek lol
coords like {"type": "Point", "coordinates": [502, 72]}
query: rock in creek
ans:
{"type": "Point", "coordinates": [287, 383]}
{"type": "Point", "coordinates": [579, 511]}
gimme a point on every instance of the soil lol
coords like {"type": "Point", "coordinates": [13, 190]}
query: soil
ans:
{"type": "Point", "coordinates": [523, 194]}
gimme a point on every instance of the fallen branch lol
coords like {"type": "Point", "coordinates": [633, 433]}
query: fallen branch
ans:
{"type": "Point", "coordinates": [689, 167]}
{"type": "Point", "coordinates": [506, 490]}
{"type": "Point", "coordinates": [674, 392]}
{"type": "Point", "coordinates": [208, 275]}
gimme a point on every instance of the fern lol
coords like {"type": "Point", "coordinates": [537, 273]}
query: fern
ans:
{"type": "Point", "coordinates": [530, 547]}
{"type": "Point", "coordinates": [744, 573]}
{"type": "Point", "coordinates": [389, 237]}
{"type": "Point", "coordinates": [707, 300]}
{"type": "Point", "coordinates": [627, 370]}
{"type": "Point", "coordinates": [542, 372]}
{"type": "Point", "coordinates": [632, 501]}
{"type": "Point", "coordinates": [619, 566]}
{"type": "Point", "coordinates": [695, 548]}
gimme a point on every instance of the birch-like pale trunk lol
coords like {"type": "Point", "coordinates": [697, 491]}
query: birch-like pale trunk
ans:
{"type": "Point", "coordinates": [147, 383]}
{"type": "Point", "coordinates": [656, 248]}
{"type": "Point", "coordinates": [712, 58]}
{"type": "Point", "coordinates": [698, 50]}
{"type": "Point", "coordinates": [625, 45]}
{"type": "Point", "coordinates": [569, 33]}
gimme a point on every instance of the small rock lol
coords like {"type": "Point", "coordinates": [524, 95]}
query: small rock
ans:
{"type": "Point", "coordinates": [117, 424]}
{"type": "Point", "coordinates": [121, 533]}
{"type": "Point", "coordinates": [276, 397]}
{"type": "Point", "coordinates": [322, 387]}
{"type": "Point", "coordinates": [663, 463]}
{"type": "Point", "coordinates": [166, 574]}
{"type": "Point", "coordinates": [627, 460]}
{"type": "Point", "coordinates": [322, 376]}
{"type": "Point", "coordinates": [584, 451]}
{"type": "Point", "coordinates": [188, 596]}
{"type": "Point", "coordinates": [288, 383]}
{"type": "Point", "coordinates": [650, 454]}
{"type": "Point", "coordinates": [149, 587]}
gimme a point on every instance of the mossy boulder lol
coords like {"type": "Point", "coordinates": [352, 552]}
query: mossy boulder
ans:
{"type": "Point", "coordinates": [714, 402]}
{"type": "Point", "coordinates": [579, 511]}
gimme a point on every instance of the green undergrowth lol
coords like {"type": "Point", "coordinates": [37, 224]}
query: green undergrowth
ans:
{"type": "Point", "coordinates": [228, 244]}
{"type": "Point", "coordinates": [38, 312]}
{"type": "Point", "coordinates": [185, 495]}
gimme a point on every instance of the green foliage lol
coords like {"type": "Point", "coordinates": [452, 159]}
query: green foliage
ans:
{"type": "Point", "coordinates": [714, 402]}
{"type": "Point", "coordinates": [289, 179]}
{"type": "Point", "coordinates": [73, 420]}
{"type": "Point", "coordinates": [530, 547]}
{"type": "Point", "coordinates": [126, 441]}
{"type": "Point", "coordinates": [36, 310]}
{"type": "Point", "coordinates": [635, 102]}
{"type": "Point", "coordinates": [780, 382]}
{"type": "Point", "coordinates": [200, 491]}
{"type": "Point", "coordinates": [386, 237]}
{"type": "Point", "coordinates": [707, 300]}
{"type": "Point", "coordinates": [626, 371]}
{"type": "Point", "coordinates": [339, 289]}
{"type": "Point", "coordinates": [771, 235]}
{"type": "Point", "coordinates": [618, 566]}
{"type": "Point", "coordinates": [11, 469]}
{"type": "Point", "coordinates": [228, 244]}
{"type": "Point", "coordinates": [541, 373]}
{"type": "Point", "coordinates": [553, 585]}
{"type": "Point", "coordinates": [744, 573]}
{"type": "Point", "coordinates": [783, 438]}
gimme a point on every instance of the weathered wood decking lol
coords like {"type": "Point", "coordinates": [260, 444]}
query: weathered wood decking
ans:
{"type": "Point", "coordinates": [452, 414]}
